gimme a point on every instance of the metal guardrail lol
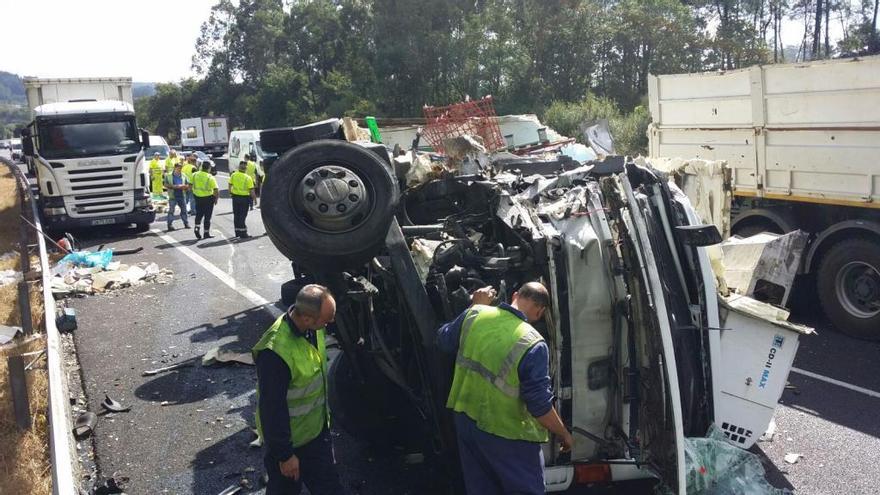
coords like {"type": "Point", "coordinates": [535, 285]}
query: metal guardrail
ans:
{"type": "Point", "coordinates": [60, 426]}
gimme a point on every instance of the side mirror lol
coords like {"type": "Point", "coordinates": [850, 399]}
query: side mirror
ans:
{"type": "Point", "coordinates": [145, 138]}
{"type": "Point", "coordinates": [27, 145]}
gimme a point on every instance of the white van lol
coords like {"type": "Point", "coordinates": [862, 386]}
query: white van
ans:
{"type": "Point", "coordinates": [243, 143]}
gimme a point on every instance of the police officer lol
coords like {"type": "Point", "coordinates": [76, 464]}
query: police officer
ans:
{"type": "Point", "coordinates": [292, 412]}
{"type": "Point", "coordinates": [241, 188]}
{"type": "Point", "coordinates": [500, 394]}
{"type": "Point", "coordinates": [204, 188]}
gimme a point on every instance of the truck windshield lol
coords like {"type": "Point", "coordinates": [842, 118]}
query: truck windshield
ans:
{"type": "Point", "coordinates": [59, 139]}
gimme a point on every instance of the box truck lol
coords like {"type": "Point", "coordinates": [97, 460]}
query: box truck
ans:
{"type": "Point", "coordinates": [207, 134]}
{"type": "Point", "coordinates": [803, 144]}
{"type": "Point", "coordinates": [85, 150]}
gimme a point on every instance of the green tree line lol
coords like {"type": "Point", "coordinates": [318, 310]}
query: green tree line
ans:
{"type": "Point", "coordinates": [270, 63]}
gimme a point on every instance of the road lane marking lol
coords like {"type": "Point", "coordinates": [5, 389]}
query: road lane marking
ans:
{"type": "Point", "coordinates": [233, 284]}
{"type": "Point", "coordinates": [839, 383]}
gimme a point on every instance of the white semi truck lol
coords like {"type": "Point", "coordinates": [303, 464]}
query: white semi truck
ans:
{"type": "Point", "coordinates": [803, 143]}
{"type": "Point", "coordinates": [85, 150]}
{"type": "Point", "coordinates": [206, 134]}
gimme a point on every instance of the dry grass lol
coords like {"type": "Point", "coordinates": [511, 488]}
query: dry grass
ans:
{"type": "Point", "coordinates": [24, 455]}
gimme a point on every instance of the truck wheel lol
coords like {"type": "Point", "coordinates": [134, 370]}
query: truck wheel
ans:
{"type": "Point", "coordinates": [141, 227]}
{"type": "Point", "coordinates": [329, 204]}
{"type": "Point", "coordinates": [849, 287]}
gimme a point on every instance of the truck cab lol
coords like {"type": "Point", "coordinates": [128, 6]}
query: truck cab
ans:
{"type": "Point", "coordinates": [88, 160]}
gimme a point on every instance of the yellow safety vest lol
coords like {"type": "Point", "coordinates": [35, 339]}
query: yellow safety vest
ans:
{"type": "Point", "coordinates": [306, 392]}
{"type": "Point", "coordinates": [485, 385]}
{"type": "Point", "coordinates": [188, 169]}
{"type": "Point", "coordinates": [203, 184]}
{"type": "Point", "coordinates": [240, 184]}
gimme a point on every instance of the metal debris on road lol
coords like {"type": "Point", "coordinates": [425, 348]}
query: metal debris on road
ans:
{"type": "Point", "coordinates": [8, 333]}
{"type": "Point", "coordinates": [792, 458]}
{"type": "Point", "coordinates": [231, 489]}
{"type": "Point", "coordinates": [176, 366]}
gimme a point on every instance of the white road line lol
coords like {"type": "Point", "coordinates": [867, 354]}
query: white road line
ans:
{"type": "Point", "coordinates": [839, 383]}
{"type": "Point", "coordinates": [233, 284]}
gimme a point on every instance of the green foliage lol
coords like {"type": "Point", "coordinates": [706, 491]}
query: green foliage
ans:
{"type": "Point", "coordinates": [11, 89]}
{"type": "Point", "coordinates": [628, 129]}
{"type": "Point", "coordinates": [266, 63]}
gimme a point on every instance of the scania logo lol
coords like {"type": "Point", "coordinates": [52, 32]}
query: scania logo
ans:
{"type": "Point", "coordinates": [90, 163]}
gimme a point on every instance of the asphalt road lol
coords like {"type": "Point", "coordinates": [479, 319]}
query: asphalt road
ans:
{"type": "Point", "coordinates": [188, 430]}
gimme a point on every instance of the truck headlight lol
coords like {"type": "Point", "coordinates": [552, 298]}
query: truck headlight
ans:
{"type": "Point", "coordinates": [54, 211]}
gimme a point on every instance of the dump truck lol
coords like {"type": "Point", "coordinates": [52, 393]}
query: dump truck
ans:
{"type": "Point", "coordinates": [84, 147]}
{"type": "Point", "coordinates": [802, 141]}
{"type": "Point", "coordinates": [639, 362]}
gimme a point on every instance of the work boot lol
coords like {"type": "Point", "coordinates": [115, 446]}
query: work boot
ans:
{"type": "Point", "coordinates": [197, 232]}
{"type": "Point", "coordinates": [243, 236]}
{"type": "Point", "coordinates": [171, 228]}
{"type": "Point", "coordinates": [207, 235]}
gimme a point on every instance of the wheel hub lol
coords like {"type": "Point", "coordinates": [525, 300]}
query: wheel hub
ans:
{"type": "Point", "coordinates": [858, 289]}
{"type": "Point", "coordinates": [332, 198]}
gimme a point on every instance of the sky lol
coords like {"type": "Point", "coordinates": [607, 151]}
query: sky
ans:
{"type": "Point", "coordinates": [148, 40]}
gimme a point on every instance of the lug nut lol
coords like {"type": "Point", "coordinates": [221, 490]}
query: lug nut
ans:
{"type": "Point", "coordinates": [353, 183]}
{"type": "Point", "coordinates": [340, 174]}
{"type": "Point", "coordinates": [341, 208]}
{"type": "Point", "coordinates": [323, 208]}
{"type": "Point", "coordinates": [323, 172]}
{"type": "Point", "coordinates": [353, 197]}
{"type": "Point", "coordinates": [310, 196]}
{"type": "Point", "coordinates": [310, 182]}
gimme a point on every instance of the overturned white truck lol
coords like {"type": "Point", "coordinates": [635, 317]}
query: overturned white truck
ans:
{"type": "Point", "coordinates": [643, 354]}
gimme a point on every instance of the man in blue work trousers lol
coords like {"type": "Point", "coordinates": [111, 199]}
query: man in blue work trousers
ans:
{"type": "Point", "coordinates": [501, 395]}
{"type": "Point", "coordinates": [293, 416]}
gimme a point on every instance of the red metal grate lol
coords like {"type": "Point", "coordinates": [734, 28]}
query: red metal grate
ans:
{"type": "Point", "coordinates": [475, 118]}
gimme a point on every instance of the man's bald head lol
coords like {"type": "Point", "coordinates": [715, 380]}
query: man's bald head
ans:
{"type": "Point", "coordinates": [314, 307]}
{"type": "Point", "coordinates": [532, 299]}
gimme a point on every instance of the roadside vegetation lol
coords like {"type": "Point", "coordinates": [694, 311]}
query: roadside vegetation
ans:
{"type": "Point", "coordinates": [24, 454]}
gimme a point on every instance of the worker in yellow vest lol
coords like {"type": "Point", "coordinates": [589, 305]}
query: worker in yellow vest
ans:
{"type": "Point", "coordinates": [157, 171]}
{"type": "Point", "coordinates": [204, 188]}
{"type": "Point", "coordinates": [241, 189]}
{"type": "Point", "coordinates": [255, 171]}
{"type": "Point", "coordinates": [171, 161]}
{"type": "Point", "coordinates": [293, 415]}
{"type": "Point", "coordinates": [188, 169]}
{"type": "Point", "coordinates": [501, 394]}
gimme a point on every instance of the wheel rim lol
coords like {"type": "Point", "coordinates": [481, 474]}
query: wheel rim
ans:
{"type": "Point", "coordinates": [858, 289]}
{"type": "Point", "coordinates": [332, 199]}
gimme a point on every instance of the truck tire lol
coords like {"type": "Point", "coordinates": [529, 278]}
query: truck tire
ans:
{"type": "Point", "coordinates": [329, 204]}
{"type": "Point", "coordinates": [849, 287]}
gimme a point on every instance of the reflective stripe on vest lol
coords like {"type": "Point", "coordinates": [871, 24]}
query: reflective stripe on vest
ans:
{"type": "Point", "coordinates": [307, 406]}
{"type": "Point", "coordinates": [486, 383]}
{"type": "Point", "coordinates": [202, 185]}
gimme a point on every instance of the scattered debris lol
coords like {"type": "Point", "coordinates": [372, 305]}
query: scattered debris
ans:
{"type": "Point", "coordinates": [714, 465]}
{"type": "Point", "coordinates": [72, 280]}
{"type": "Point", "coordinates": [231, 489]}
{"type": "Point", "coordinates": [9, 277]}
{"type": "Point", "coordinates": [113, 406]}
{"type": "Point", "coordinates": [110, 485]}
{"type": "Point", "coordinates": [792, 458]}
{"type": "Point", "coordinates": [216, 355]}
{"type": "Point", "coordinates": [84, 425]}
{"type": "Point", "coordinates": [176, 366]}
{"type": "Point", "coordinates": [8, 333]}
{"type": "Point", "coordinates": [770, 434]}
{"type": "Point", "coordinates": [65, 319]}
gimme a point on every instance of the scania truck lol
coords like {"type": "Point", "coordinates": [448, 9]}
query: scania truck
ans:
{"type": "Point", "coordinates": [85, 150]}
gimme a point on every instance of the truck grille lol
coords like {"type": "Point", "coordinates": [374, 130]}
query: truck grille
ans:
{"type": "Point", "coordinates": [104, 203]}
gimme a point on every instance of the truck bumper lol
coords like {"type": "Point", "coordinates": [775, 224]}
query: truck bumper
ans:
{"type": "Point", "coordinates": [61, 222]}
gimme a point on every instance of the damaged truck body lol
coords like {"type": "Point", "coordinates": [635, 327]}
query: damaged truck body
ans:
{"type": "Point", "coordinates": [642, 350]}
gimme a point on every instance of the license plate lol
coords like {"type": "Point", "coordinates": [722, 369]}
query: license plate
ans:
{"type": "Point", "coordinates": [104, 221]}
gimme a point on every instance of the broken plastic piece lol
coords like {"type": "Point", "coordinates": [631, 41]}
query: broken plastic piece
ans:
{"type": "Point", "coordinates": [216, 355]}
{"type": "Point", "coordinates": [84, 425]}
{"type": "Point", "coordinates": [111, 405]}
{"type": "Point", "coordinates": [792, 458]}
{"type": "Point", "coordinates": [8, 333]}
